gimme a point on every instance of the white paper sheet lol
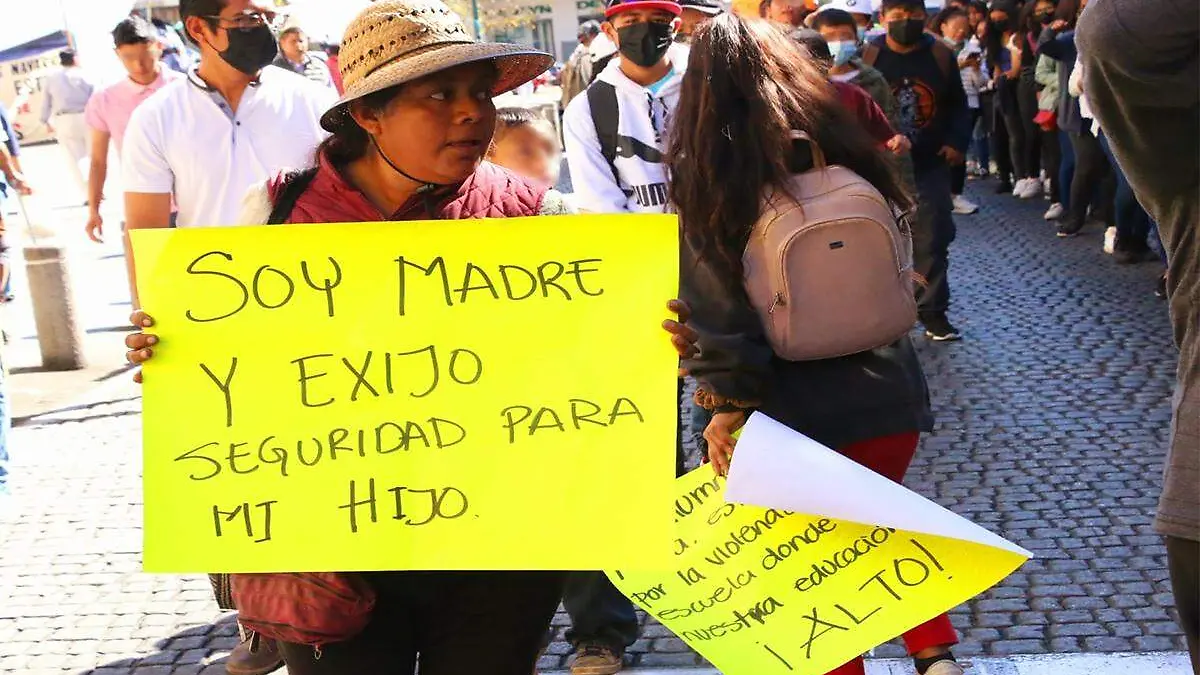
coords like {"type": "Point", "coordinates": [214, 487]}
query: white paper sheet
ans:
{"type": "Point", "coordinates": [776, 467]}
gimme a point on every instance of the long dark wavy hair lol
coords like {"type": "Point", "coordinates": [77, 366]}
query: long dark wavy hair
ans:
{"type": "Point", "coordinates": [747, 87]}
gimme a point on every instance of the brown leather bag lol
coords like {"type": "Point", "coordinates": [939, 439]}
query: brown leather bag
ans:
{"type": "Point", "coordinates": [308, 608]}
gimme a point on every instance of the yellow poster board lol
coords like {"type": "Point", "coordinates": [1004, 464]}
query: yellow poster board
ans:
{"type": "Point", "coordinates": [770, 592]}
{"type": "Point", "coordinates": [425, 395]}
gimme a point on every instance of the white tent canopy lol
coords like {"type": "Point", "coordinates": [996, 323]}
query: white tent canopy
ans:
{"type": "Point", "coordinates": [323, 20]}
{"type": "Point", "coordinates": [89, 22]}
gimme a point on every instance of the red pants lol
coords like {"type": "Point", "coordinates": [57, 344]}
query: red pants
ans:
{"type": "Point", "coordinates": [890, 456]}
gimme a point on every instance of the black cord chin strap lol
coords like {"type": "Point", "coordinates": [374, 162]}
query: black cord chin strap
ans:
{"type": "Point", "coordinates": [426, 186]}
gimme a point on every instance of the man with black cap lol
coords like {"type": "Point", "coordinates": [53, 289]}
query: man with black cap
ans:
{"type": "Point", "coordinates": [924, 77]}
{"type": "Point", "coordinates": [615, 136]}
{"type": "Point", "coordinates": [204, 140]}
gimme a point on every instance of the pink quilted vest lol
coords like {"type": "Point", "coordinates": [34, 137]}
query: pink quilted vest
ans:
{"type": "Point", "coordinates": [490, 192]}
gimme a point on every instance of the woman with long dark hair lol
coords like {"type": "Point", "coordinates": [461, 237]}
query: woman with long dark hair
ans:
{"type": "Point", "coordinates": [748, 88]}
{"type": "Point", "coordinates": [1032, 18]}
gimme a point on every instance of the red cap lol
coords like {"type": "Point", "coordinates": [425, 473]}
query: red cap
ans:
{"type": "Point", "coordinates": [617, 6]}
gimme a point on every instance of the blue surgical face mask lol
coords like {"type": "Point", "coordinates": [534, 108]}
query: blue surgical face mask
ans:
{"type": "Point", "coordinates": [842, 51]}
{"type": "Point", "coordinates": [862, 33]}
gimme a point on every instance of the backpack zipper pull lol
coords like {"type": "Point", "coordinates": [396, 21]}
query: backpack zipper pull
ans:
{"type": "Point", "coordinates": [778, 301]}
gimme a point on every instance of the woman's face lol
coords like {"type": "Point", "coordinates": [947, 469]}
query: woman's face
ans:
{"type": "Point", "coordinates": [975, 16]}
{"type": "Point", "coordinates": [956, 29]}
{"type": "Point", "coordinates": [999, 18]}
{"type": "Point", "coordinates": [1045, 7]}
{"type": "Point", "coordinates": [438, 127]}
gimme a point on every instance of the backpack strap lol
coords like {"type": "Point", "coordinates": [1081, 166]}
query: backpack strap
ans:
{"type": "Point", "coordinates": [870, 54]}
{"type": "Point", "coordinates": [602, 102]}
{"type": "Point", "coordinates": [294, 185]}
{"type": "Point", "coordinates": [945, 58]}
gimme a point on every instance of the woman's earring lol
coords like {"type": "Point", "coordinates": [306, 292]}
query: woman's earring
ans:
{"type": "Point", "coordinates": [727, 133]}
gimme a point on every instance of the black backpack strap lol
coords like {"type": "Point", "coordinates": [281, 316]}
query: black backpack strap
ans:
{"type": "Point", "coordinates": [602, 102]}
{"type": "Point", "coordinates": [294, 185]}
{"type": "Point", "coordinates": [870, 54]}
{"type": "Point", "coordinates": [947, 62]}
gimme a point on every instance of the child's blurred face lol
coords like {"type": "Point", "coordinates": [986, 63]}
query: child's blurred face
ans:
{"type": "Point", "coordinates": [839, 33]}
{"type": "Point", "coordinates": [956, 29]}
{"type": "Point", "coordinates": [528, 151]}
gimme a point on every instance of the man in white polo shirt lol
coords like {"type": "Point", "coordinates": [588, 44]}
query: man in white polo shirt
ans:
{"type": "Point", "coordinates": [230, 124]}
{"type": "Point", "coordinates": [208, 138]}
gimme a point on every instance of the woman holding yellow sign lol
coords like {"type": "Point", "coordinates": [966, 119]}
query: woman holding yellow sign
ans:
{"type": "Point", "coordinates": [407, 143]}
{"type": "Point", "coordinates": [756, 117]}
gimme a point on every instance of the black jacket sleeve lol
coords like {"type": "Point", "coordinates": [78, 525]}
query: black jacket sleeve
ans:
{"type": "Point", "coordinates": [735, 360]}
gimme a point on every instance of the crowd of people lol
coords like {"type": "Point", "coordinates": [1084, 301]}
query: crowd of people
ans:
{"type": "Point", "coordinates": [668, 107]}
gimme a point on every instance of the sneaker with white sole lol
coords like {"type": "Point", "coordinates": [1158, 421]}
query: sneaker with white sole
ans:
{"type": "Point", "coordinates": [1020, 186]}
{"type": "Point", "coordinates": [964, 206]}
{"type": "Point", "coordinates": [946, 667]}
{"type": "Point", "coordinates": [1033, 188]}
{"type": "Point", "coordinates": [1055, 212]}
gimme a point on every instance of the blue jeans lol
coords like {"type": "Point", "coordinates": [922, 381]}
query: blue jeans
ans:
{"type": "Point", "coordinates": [1066, 169]}
{"type": "Point", "coordinates": [933, 232]}
{"type": "Point", "coordinates": [1134, 225]}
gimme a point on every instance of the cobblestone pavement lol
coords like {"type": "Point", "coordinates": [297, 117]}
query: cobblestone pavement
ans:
{"type": "Point", "coordinates": [1052, 423]}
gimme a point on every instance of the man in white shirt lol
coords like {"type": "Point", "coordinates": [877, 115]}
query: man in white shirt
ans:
{"type": "Point", "coordinates": [230, 124]}
{"type": "Point", "coordinates": [208, 138]}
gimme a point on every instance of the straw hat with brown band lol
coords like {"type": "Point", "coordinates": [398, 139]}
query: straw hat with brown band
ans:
{"type": "Point", "coordinates": [397, 41]}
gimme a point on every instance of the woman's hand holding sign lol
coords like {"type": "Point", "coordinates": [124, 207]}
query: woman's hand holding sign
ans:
{"type": "Point", "coordinates": [140, 344]}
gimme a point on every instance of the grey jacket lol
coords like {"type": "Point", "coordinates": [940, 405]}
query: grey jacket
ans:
{"type": "Point", "coordinates": [1143, 84]}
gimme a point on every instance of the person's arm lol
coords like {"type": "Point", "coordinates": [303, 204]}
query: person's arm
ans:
{"type": "Point", "coordinates": [596, 187]}
{"type": "Point", "coordinates": [1056, 42]}
{"type": "Point", "coordinates": [48, 103]}
{"type": "Point", "coordinates": [97, 174]}
{"type": "Point", "coordinates": [874, 120]}
{"type": "Point", "coordinates": [734, 363]}
{"type": "Point", "coordinates": [148, 181]}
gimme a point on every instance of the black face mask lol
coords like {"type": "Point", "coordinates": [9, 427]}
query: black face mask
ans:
{"type": "Point", "coordinates": [250, 49]}
{"type": "Point", "coordinates": [1045, 17]}
{"type": "Point", "coordinates": [906, 32]}
{"type": "Point", "coordinates": [1003, 25]}
{"type": "Point", "coordinates": [644, 43]}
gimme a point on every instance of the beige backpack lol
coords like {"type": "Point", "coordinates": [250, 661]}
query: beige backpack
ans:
{"type": "Point", "coordinates": [829, 267]}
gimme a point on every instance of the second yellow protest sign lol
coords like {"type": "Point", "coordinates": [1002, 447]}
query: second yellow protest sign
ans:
{"type": "Point", "coordinates": [771, 592]}
{"type": "Point", "coordinates": [432, 395]}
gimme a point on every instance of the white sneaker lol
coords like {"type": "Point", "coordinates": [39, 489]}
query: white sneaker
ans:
{"type": "Point", "coordinates": [1110, 240]}
{"type": "Point", "coordinates": [1055, 212]}
{"type": "Point", "coordinates": [1033, 188]}
{"type": "Point", "coordinates": [1020, 187]}
{"type": "Point", "coordinates": [964, 206]}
